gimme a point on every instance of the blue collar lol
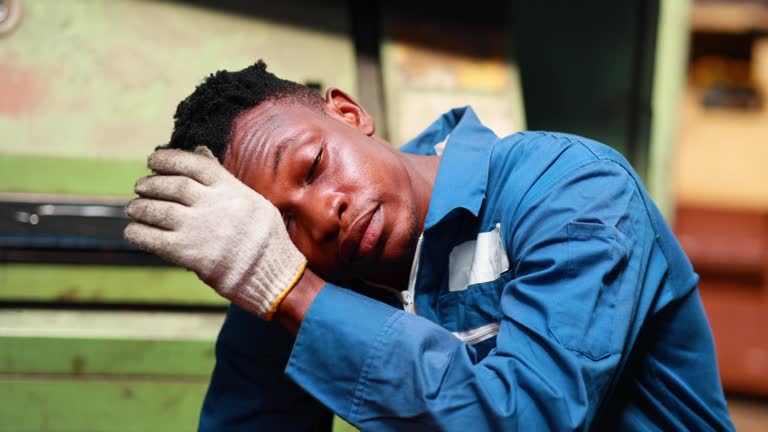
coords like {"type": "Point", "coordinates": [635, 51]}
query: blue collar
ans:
{"type": "Point", "coordinates": [463, 172]}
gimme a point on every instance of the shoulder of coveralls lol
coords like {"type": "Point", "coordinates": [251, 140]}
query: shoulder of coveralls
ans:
{"type": "Point", "coordinates": [528, 167]}
{"type": "Point", "coordinates": [555, 142]}
{"type": "Point", "coordinates": [523, 166]}
{"type": "Point", "coordinates": [681, 275]}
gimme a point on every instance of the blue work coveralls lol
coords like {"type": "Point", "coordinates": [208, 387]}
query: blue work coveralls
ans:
{"type": "Point", "coordinates": [549, 294]}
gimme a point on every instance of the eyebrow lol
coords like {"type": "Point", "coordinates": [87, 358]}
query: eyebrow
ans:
{"type": "Point", "coordinates": [280, 150]}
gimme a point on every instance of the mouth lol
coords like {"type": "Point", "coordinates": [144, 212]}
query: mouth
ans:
{"type": "Point", "coordinates": [363, 235]}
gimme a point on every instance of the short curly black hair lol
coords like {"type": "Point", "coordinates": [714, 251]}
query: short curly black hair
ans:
{"type": "Point", "coordinates": [207, 115]}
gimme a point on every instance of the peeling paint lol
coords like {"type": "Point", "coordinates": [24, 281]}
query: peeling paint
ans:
{"type": "Point", "coordinates": [86, 79]}
{"type": "Point", "coordinates": [22, 88]}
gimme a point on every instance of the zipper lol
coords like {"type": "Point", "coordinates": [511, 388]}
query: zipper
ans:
{"type": "Point", "coordinates": [407, 300]}
{"type": "Point", "coordinates": [407, 296]}
{"type": "Point", "coordinates": [473, 336]}
{"type": "Point", "coordinates": [479, 334]}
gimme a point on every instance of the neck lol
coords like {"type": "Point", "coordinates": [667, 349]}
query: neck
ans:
{"type": "Point", "coordinates": [423, 172]}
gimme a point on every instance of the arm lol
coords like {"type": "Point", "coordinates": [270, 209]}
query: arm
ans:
{"type": "Point", "coordinates": [291, 311]}
{"type": "Point", "coordinates": [565, 326]}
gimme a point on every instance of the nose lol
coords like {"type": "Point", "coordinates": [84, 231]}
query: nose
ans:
{"type": "Point", "coordinates": [324, 212]}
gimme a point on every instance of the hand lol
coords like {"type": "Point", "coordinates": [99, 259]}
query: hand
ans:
{"type": "Point", "coordinates": [198, 215]}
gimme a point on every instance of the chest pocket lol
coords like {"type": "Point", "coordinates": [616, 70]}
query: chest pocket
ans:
{"type": "Point", "coordinates": [477, 261]}
{"type": "Point", "coordinates": [477, 274]}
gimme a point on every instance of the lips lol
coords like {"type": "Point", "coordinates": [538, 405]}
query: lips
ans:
{"type": "Point", "coordinates": [362, 236]}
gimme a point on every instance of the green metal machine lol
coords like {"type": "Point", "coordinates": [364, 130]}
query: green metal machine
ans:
{"type": "Point", "coordinates": [89, 89]}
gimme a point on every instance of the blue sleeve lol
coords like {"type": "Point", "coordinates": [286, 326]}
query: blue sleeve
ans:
{"type": "Point", "coordinates": [567, 311]}
{"type": "Point", "coordinates": [248, 390]}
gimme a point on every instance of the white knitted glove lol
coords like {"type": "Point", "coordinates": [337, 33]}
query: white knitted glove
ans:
{"type": "Point", "coordinates": [196, 214]}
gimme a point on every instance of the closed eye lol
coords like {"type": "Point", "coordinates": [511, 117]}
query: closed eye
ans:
{"type": "Point", "coordinates": [315, 164]}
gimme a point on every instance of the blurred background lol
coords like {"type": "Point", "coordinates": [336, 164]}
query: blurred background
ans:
{"type": "Point", "coordinates": [97, 336]}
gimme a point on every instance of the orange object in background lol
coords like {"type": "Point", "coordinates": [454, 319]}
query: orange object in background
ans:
{"type": "Point", "coordinates": [729, 250]}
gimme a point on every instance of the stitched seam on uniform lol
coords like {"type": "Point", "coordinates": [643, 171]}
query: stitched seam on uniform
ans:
{"type": "Point", "coordinates": [645, 206]}
{"type": "Point", "coordinates": [528, 203]}
{"type": "Point", "coordinates": [586, 147]}
{"type": "Point", "coordinates": [527, 199]}
{"type": "Point", "coordinates": [359, 396]}
{"type": "Point", "coordinates": [634, 180]}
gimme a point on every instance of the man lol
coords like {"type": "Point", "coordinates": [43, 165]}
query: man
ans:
{"type": "Point", "coordinates": [540, 287]}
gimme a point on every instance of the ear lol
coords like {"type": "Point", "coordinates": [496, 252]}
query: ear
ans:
{"type": "Point", "coordinates": [344, 108]}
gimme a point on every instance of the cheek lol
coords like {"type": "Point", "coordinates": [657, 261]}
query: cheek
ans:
{"type": "Point", "coordinates": [301, 243]}
{"type": "Point", "coordinates": [380, 174]}
{"type": "Point", "coordinates": [321, 259]}
{"type": "Point", "coordinates": [364, 161]}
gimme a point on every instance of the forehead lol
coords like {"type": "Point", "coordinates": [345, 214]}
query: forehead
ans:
{"type": "Point", "coordinates": [257, 131]}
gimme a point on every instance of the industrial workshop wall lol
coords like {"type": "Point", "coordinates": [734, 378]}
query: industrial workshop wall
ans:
{"type": "Point", "coordinates": [93, 335]}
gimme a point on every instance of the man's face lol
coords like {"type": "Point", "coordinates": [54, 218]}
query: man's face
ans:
{"type": "Point", "coordinates": [347, 199]}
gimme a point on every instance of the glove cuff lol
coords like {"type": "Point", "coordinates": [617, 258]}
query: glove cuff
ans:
{"type": "Point", "coordinates": [274, 305]}
{"type": "Point", "coordinates": [272, 278]}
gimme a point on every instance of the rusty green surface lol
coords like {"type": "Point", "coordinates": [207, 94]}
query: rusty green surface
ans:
{"type": "Point", "coordinates": [68, 405]}
{"type": "Point", "coordinates": [46, 175]}
{"type": "Point", "coordinates": [104, 284]}
{"type": "Point", "coordinates": [105, 405]}
{"type": "Point", "coordinates": [79, 356]}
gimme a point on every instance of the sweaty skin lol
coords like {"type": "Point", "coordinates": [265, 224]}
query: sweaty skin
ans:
{"type": "Point", "coordinates": [351, 203]}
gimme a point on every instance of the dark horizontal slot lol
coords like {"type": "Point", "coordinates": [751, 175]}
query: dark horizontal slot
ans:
{"type": "Point", "coordinates": [66, 225]}
{"type": "Point", "coordinates": [51, 232]}
{"type": "Point", "coordinates": [95, 306]}
{"type": "Point", "coordinates": [77, 256]}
